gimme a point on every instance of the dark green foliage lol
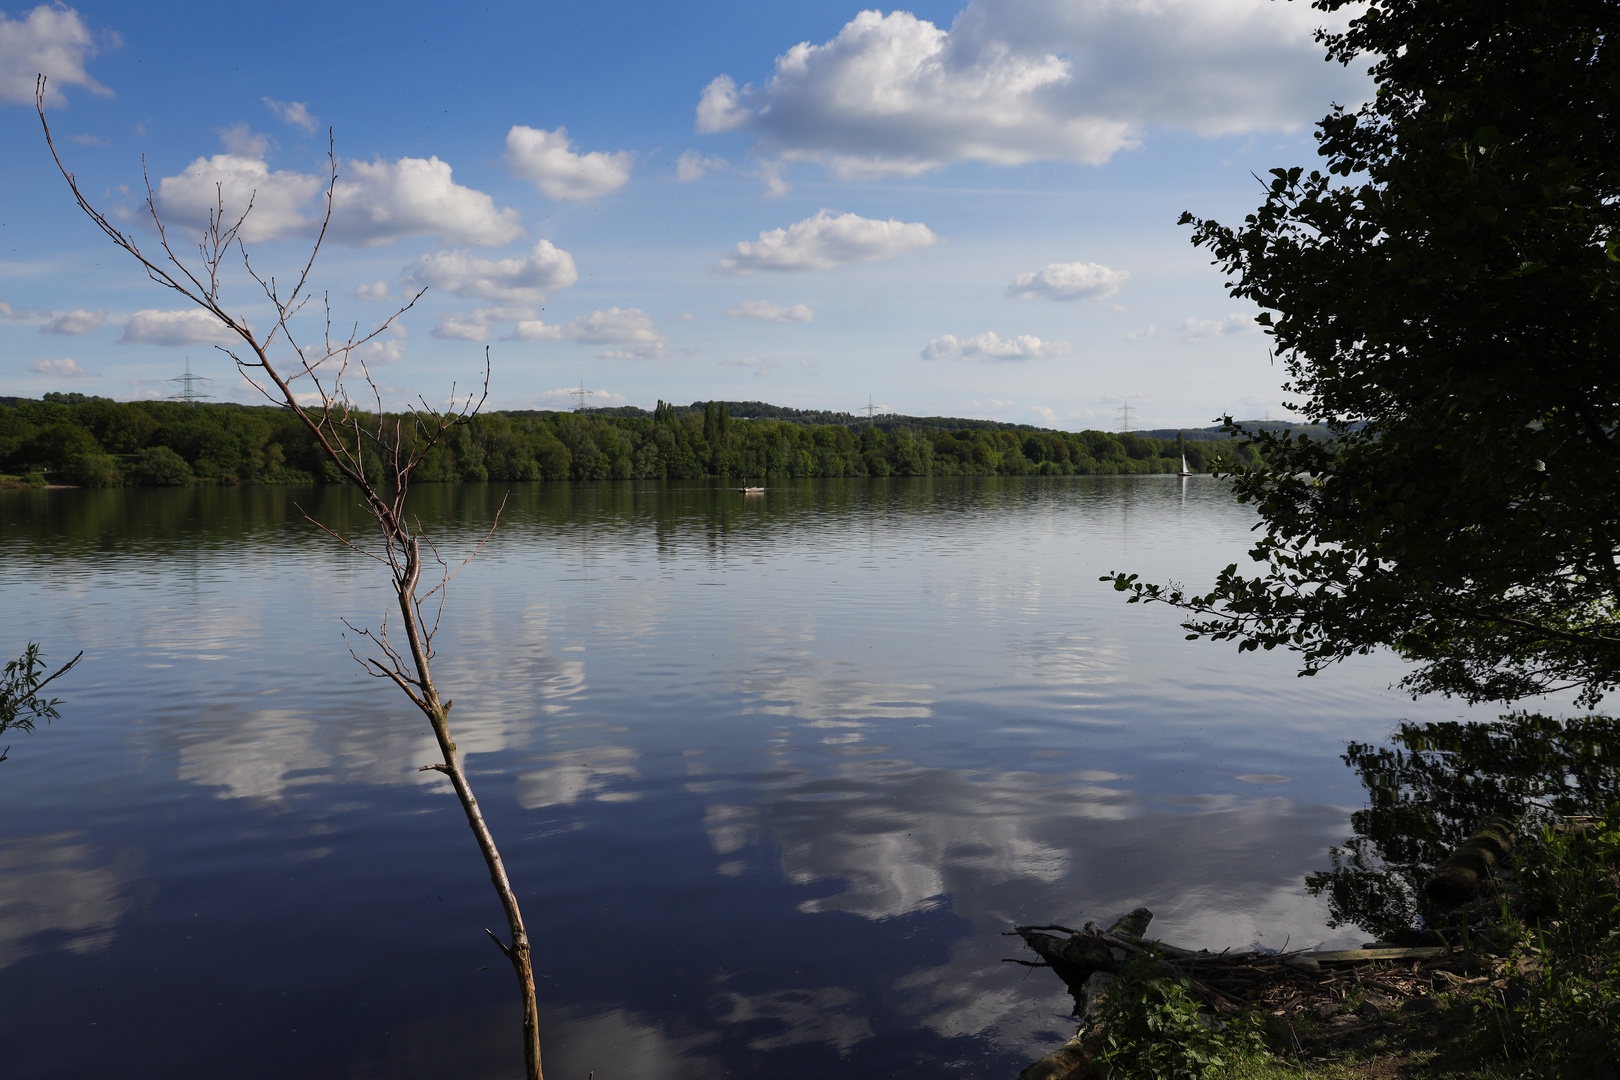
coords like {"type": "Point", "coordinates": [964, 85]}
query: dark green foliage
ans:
{"type": "Point", "coordinates": [96, 442]}
{"type": "Point", "coordinates": [21, 707]}
{"type": "Point", "coordinates": [158, 466]}
{"type": "Point", "coordinates": [1430, 787]}
{"type": "Point", "coordinates": [1559, 1014]}
{"type": "Point", "coordinates": [1445, 295]}
{"type": "Point", "coordinates": [1151, 1027]}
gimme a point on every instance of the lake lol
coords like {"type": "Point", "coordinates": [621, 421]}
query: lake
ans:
{"type": "Point", "coordinates": [771, 776]}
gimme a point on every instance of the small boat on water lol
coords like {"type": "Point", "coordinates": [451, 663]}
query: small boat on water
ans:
{"type": "Point", "coordinates": [1184, 470]}
{"type": "Point", "coordinates": [751, 490]}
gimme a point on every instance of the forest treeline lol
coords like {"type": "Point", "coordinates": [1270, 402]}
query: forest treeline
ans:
{"type": "Point", "coordinates": [97, 442]}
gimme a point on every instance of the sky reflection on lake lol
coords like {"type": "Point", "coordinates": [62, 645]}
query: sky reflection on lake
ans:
{"type": "Point", "coordinates": [771, 777]}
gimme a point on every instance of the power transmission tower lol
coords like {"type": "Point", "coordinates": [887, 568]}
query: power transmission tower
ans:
{"type": "Point", "coordinates": [1125, 416]}
{"type": "Point", "coordinates": [870, 409]}
{"type": "Point", "coordinates": [581, 395]}
{"type": "Point", "coordinates": [188, 386]}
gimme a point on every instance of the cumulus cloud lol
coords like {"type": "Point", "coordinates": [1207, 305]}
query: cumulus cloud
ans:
{"type": "Point", "coordinates": [524, 280]}
{"type": "Point", "coordinates": [377, 290]}
{"type": "Point", "coordinates": [826, 241]}
{"type": "Point", "coordinates": [375, 202]}
{"type": "Point", "coordinates": [769, 312]}
{"type": "Point", "coordinates": [78, 321]}
{"type": "Point", "coordinates": [544, 158]}
{"type": "Point", "coordinates": [193, 327]}
{"type": "Point", "coordinates": [692, 165]}
{"type": "Point", "coordinates": [15, 314]}
{"type": "Point", "coordinates": [65, 368]}
{"type": "Point", "coordinates": [463, 326]}
{"type": "Point", "coordinates": [378, 202]}
{"type": "Point", "coordinates": [1014, 81]}
{"type": "Point", "coordinates": [50, 39]}
{"type": "Point", "coordinates": [295, 113]}
{"type": "Point", "coordinates": [614, 326]}
{"type": "Point", "coordinates": [1069, 281]}
{"type": "Point", "coordinates": [990, 347]}
{"type": "Point", "coordinates": [388, 348]}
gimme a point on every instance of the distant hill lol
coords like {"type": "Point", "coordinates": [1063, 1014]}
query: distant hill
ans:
{"type": "Point", "coordinates": [1315, 431]}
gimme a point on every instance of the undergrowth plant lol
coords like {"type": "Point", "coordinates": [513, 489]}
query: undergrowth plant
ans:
{"type": "Point", "coordinates": [1558, 1012]}
{"type": "Point", "coordinates": [1151, 1027]}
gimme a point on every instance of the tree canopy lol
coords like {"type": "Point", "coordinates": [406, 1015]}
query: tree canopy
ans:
{"type": "Point", "coordinates": [94, 442]}
{"type": "Point", "coordinates": [1443, 295]}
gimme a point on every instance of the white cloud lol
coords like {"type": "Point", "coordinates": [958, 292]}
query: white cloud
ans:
{"type": "Point", "coordinates": [1043, 415]}
{"type": "Point", "coordinates": [718, 108]}
{"type": "Point", "coordinates": [295, 113]}
{"type": "Point", "coordinates": [1069, 281]}
{"type": "Point", "coordinates": [1014, 81]}
{"type": "Point", "coordinates": [377, 290]}
{"type": "Point", "coordinates": [193, 327]}
{"type": "Point", "coordinates": [769, 312]}
{"type": "Point", "coordinates": [545, 159]}
{"type": "Point", "coordinates": [655, 350]}
{"type": "Point", "coordinates": [463, 326]}
{"type": "Point", "coordinates": [825, 241]}
{"type": "Point", "coordinates": [1142, 335]}
{"type": "Point", "coordinates": [376, 202]}
{"type": "Point", "coordinates": [278, 198]}
{"type": "Point", "coordinates": [988, 346]}
{"type": "Point", "coordinates": [692, 165]}
{"type": "Point", "coordinates": [91, 140]}
{"type": "Point", "coordinates": [524, 280]}
{"type": "Point", "coordinates": [757, 364]}
{"type": "Point", "coordinates": [379, 202]}
{"type": "Point", "coordinates": [386, 348]}
{"type": "Point", "coordinates": [1205, 329]}
{"type": "Point", "coordinates": [687, 316]}
{"type": "Point", "coordinates": [50, 39]}
{"type": "Point", "coordinates": [65, 368]}
{"type": "Point", "coordinates": [78, 321]}
{"type": "Point", "coordinates": [774, 174]}
{"type": "Point", "coordinates": [240, 140]}
{"type": "Point", "coordinates": [615, 326]}
{"type": "Point", "coordinates": [15, 314]}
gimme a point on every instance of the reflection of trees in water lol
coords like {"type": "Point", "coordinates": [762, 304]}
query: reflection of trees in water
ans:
{"type": "Point", "coordinates": [1431, 787]}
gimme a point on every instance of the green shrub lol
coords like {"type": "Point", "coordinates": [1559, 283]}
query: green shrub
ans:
{"type": "Point", "coordinates": [1150, 1027]}
{"type": "Point", "coordinates": [1559, 1012]}
{"type": "Point", "coordinates": [92, 470]}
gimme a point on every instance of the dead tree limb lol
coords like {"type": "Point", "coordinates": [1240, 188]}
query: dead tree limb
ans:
{"type": "Point", "coordinates": [377, 453]}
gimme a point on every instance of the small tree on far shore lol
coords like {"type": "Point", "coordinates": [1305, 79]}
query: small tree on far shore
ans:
{"type": "Point", "coordinates": [376, 452]}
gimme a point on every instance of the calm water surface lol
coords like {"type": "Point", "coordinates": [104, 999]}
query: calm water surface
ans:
{"type": "Point", "coordinates": [771, 776]}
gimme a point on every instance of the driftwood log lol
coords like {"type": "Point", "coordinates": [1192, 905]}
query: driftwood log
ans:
{"type": "Point", "coordinates": [1458, 877]}
{"type": "Point", "coordinates": [1075, 958]}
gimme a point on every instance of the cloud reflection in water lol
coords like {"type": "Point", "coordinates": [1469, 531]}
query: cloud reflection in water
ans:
{"type": "Point", "coordinates": [48, 885]}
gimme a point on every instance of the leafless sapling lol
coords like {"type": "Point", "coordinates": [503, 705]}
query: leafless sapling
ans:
{"type": "Point", "coordinates": [377, 452]}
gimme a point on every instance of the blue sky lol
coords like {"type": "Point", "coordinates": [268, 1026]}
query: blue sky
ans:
{"type": "Point", "coordinates": [964, 209]}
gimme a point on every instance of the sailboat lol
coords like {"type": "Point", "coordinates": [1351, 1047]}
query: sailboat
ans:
{"type": "Point", "coordinates": [1184, 470]}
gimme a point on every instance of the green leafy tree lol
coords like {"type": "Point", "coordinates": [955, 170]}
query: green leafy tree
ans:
{"type": "Point", "coordinates": [1444, 298]}
{"type": "Point", "coordinates": [161, 467]}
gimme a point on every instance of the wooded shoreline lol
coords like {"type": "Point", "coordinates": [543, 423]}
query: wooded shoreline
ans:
{"type": "Point", "coordinates": [95, 442]}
